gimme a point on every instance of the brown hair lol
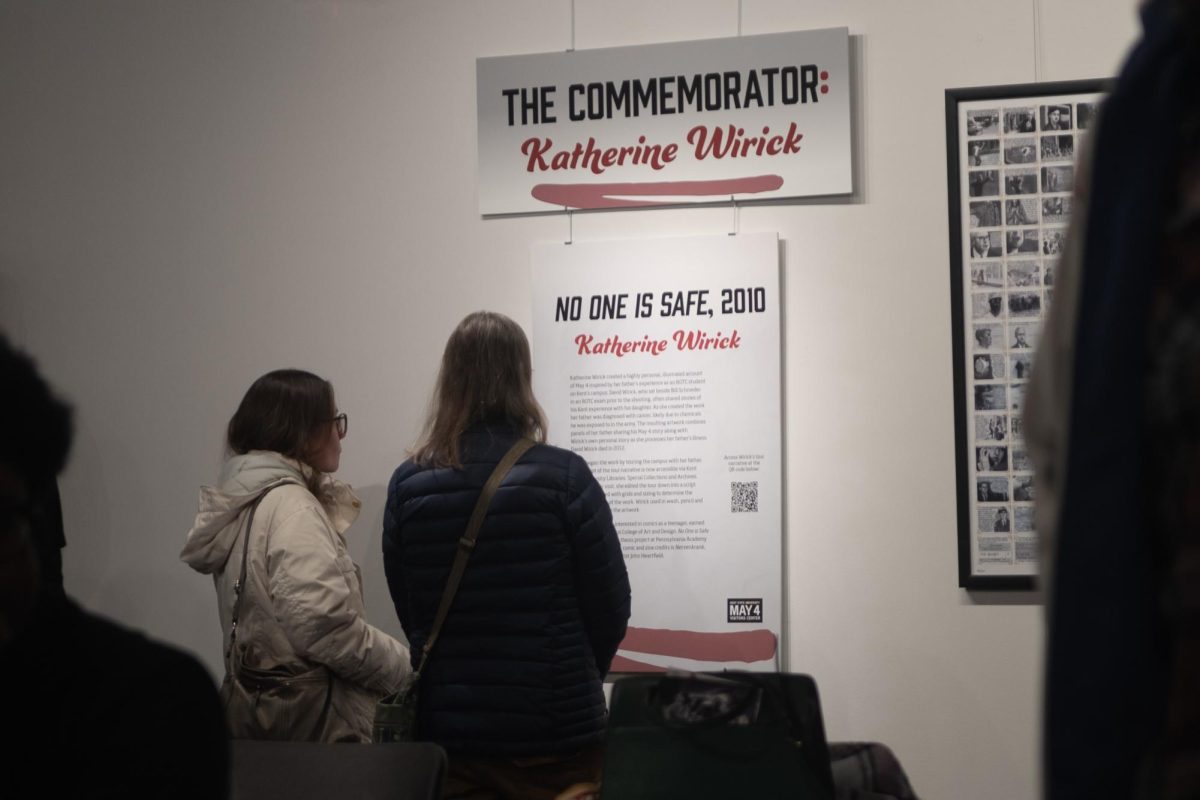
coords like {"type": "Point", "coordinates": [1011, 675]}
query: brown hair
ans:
{"type": "Point", "coordinates": [282, 411]}
{"type": "Point", "coordinates": [486, 376]}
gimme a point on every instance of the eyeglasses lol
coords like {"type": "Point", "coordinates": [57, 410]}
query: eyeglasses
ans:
{"type": "Point", "coordinates": [343, 424]}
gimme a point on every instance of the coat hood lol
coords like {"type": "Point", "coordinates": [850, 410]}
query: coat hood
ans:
{"type": "Point", "coordinates": [243, 478]}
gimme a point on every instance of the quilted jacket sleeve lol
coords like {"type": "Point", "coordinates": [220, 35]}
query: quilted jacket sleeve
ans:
{"type": "Point", "coordinates": [391, 559]}
{"type": "Point", "coordinates": [317, 600]}
{"type": "Point", "coordinates": [600, 576]}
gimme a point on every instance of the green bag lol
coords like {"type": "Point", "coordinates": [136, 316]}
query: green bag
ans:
{"type": "Point", "coordinates": [396, 715]}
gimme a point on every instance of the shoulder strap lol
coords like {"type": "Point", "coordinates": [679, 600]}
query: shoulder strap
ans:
{"type": "Point", "coordinates": [467, 543]}
{"type": "Point", "coordinates": [240, 583]}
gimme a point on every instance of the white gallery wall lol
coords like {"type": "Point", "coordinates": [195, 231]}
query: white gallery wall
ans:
{"type": "Point", "coordinates": [193, 192]}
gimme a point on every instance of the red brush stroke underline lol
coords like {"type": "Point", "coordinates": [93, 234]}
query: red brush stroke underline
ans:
{"type": "Point", "coordinates": [622, 664]}
{"type": "Point", "coordinates": [753, 645]}
{"type": "Point", "coordinates": [604, 195]}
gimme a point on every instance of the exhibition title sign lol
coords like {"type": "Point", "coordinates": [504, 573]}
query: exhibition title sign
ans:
{"type": "Point", "coordinates": [751, 117]}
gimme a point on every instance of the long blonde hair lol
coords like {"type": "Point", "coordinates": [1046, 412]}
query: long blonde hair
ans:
{"type": "Point", "coordinates": [486, 376]}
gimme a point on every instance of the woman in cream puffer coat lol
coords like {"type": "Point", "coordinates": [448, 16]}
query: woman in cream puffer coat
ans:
{"type": "Point", "coordinates": [302, 606]}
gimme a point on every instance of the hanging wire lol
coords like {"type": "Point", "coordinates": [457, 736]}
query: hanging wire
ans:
{"type": "Point", "coordinates": [1037, 41]}
{"type": "Point", "coordinates": [571, 49]}
{"type": "Point", "coordinates": [570, 213]}
{"type": "Point", "coordinates": [732, 201]}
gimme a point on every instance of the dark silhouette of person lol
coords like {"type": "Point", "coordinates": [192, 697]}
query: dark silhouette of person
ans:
{"type": "Point", "coordinates": [1001, 525]}
{"type": "Point", "coordinates": [1118, 511]}
{"type": "Point", "coordinates": [118, 714]}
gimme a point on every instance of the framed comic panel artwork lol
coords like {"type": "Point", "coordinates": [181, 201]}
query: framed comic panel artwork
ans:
{"type": "Point", "coordinates": [1011, 164]}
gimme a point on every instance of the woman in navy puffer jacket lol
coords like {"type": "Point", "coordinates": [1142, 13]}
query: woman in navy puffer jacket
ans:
{"type": "Point", "coordinates": [513, 688]}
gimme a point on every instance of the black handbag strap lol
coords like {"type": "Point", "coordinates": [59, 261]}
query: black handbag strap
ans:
{"type": "Point", "coordinates": [240, 583]}
{"type": "Point", "coordinates": [467, 543]}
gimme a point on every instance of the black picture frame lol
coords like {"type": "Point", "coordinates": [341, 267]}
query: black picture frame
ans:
{"type": "Point", "coordinates": [1010, 156]}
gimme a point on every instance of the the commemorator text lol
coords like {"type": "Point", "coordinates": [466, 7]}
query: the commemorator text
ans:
{"type": "Point", "coordinates": [669, 94]}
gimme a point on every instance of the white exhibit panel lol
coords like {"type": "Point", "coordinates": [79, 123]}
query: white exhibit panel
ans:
{"type": "Point", "coordinates": [658, 361]}
{"type": "Point", "coordinates": [753, 117]}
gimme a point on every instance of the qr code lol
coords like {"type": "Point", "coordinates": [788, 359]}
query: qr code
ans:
{"type": "Point", "coordinates": [743, 496]}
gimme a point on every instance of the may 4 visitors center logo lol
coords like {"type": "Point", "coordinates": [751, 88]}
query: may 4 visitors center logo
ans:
{"type": "Point", "coordinates": [744, 609]}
